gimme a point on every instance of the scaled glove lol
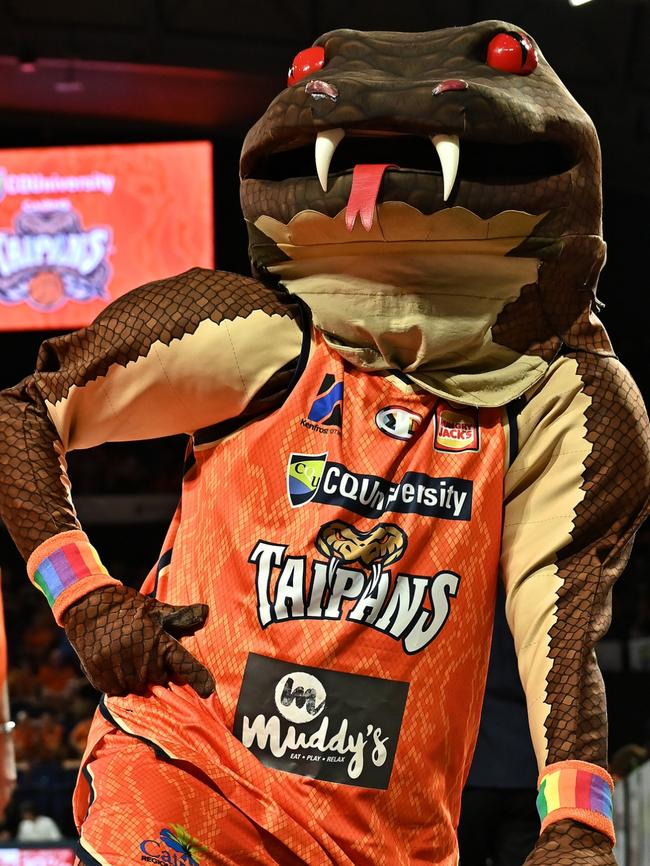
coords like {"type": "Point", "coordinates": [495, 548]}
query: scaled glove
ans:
{"type": "Point", "coordinates": [126, 641]}
{"type": "Point", "coordinates": [568, 843]}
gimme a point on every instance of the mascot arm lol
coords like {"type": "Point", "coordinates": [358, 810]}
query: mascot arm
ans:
{"type": "Point", "coordinates": [171, 357]}
{"type": "Point", "coordinates": [576, 492]}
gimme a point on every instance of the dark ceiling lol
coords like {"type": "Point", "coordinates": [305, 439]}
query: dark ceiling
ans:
{"type": "Point", "coordinates": [211, 66]}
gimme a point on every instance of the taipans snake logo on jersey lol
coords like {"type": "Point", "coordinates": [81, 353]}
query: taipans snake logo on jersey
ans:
{"type": "Point", "coordinates": [353, 583]}
{"type": "Point", "coordinates": [312, 478]}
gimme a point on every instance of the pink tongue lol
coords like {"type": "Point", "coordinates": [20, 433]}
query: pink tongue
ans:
{"type": "Point", "coordinates": [366, 180]}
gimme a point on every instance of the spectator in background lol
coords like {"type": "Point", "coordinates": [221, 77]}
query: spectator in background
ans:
{"type": "Point", "coordinates": [499, 824]}
{"type": "Point", "coordinates": [58, 678]}
{"type": "Point", "coordinates": [7, 755]}
{"type": "Point", "coordinates": [34, 827]}
{"type": "Point", "coordinates": [627, 759]}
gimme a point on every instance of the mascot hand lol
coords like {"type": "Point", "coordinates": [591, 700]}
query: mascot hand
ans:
{"type": "Point", "coordinates": [568, 843]}
{"type": "Point", "coordinates": [126, 641]}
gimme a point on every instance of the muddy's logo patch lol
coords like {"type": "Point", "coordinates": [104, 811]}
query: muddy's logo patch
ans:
{"type": "Point", "coordinates": [325, 724]}
{"type": "Point", "coordinates": [457, 428]}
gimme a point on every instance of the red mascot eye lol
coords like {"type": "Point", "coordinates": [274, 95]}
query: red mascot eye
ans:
{"type": "Point", "coordinates": [304, 63]}
{"type": "Point", "coordinates": [512, 52]}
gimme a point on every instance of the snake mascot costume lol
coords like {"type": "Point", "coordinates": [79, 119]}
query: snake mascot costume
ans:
{"type": "Point", "coordinates": [410, 400]}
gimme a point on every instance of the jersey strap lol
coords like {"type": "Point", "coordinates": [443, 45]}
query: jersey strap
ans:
{"type": "Point", "coordinates": [579, 791]}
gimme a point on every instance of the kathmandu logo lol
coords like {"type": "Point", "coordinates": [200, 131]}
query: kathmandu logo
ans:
{"type": "Point", "coordinates": [180, 848]}
{"type": "Point", "coordinates": [50, 259]}
{"type": "Point", "coordinates": [325, 415]}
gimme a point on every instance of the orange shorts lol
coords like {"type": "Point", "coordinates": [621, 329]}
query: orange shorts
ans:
{"type": "Point", "coordinates": [149, 810]}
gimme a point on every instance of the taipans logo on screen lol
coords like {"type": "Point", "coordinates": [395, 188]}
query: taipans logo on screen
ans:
{"type": "Point", "coordinates": [310, 721]}
{"type": "Point", "coordinates": [312, 478]}
{"type": "Point", "coordinates": [50, 259]}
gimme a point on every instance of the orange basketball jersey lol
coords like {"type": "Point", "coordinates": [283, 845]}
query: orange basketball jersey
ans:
{"type": "Point", "coordinates": [347, 546]}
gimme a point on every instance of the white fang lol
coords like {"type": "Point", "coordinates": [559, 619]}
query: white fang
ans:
{"type": "Point", "coordinates": [326, 144]}
{"type": "Point", "coordinates": [448, 150]}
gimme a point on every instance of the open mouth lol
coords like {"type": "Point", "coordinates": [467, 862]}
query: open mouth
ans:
{"type": "Point", "coordinates": [336, 152]}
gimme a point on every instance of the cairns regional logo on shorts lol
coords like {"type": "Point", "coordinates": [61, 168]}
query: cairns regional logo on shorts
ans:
{"type": "Point", "coordinates": [325, 724]}
{"type": "Point", "coordinates": [457, 428]}
{"type": "Point", "coordinates": [173, 847]}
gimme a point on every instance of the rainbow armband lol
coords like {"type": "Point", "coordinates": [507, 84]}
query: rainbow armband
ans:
{"type": "Point", "coordinates": [579, 791]}
{"type": "Point", "coordinates": [65, 568]}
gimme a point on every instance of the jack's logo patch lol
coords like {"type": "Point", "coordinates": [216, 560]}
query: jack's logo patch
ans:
{"type": "Point", "coordinates": [397, 423]}
{"type": "Point", "coordinates": [304, 474]}
{"type": "Point", "coordinates": [325, 724]}
{"type": "Point", "coordinates": [174, 847]}
{"type": "Point", "coordinates": [457, 428]}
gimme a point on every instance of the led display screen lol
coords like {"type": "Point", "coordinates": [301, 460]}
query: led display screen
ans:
{"type": "Point", "coordinates": [80, 226]}
{"type": "Point", "coordinates": [36, 856]}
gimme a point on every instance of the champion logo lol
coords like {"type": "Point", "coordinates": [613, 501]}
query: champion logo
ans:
{"type": "Point", "coordinates": [397, 423]}
{"type": "Point", "coordinates": [457, 428]}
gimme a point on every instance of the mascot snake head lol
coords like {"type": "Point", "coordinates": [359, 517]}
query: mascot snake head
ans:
{"type": "Point", "coordinates": [526, 190]}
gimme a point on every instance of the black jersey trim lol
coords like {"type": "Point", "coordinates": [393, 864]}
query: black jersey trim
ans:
{"type": "Point", "coordinates": [512, 411]}
{"type": "Point", "coordinates": [158, 751]}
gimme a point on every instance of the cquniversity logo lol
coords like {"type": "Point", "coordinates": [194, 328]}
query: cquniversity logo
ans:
{"type": "Point", "coordinates": [304, 473]}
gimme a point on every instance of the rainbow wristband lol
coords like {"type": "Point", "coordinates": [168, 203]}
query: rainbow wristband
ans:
{"type": "Point", "coordinates": [579, 791]}
{"type": "Point", "coordinates": [65, 568]}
